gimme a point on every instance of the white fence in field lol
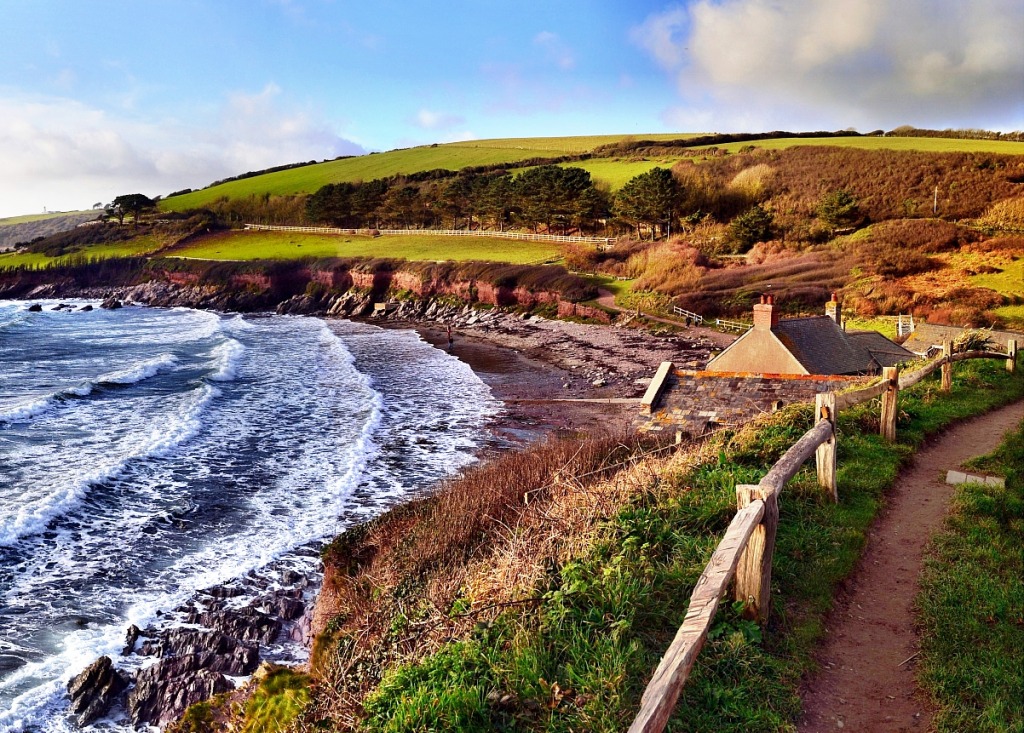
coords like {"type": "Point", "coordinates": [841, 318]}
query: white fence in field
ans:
{"type": "Point", "coordinates": [525, 236]}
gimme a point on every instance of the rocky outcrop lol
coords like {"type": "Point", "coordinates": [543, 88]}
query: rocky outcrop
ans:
{"type": "Point", "coordinates": [212, 639]}
{"type": "Point", "coordinates": [164, 691]}
{"type": "Point", "coordinates": [111, 303]}
{"type": "Point", "coordinates": [94, 691]}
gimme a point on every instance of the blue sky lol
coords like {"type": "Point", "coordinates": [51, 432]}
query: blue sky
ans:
{"type": "Point", "coordinates": [99, 98]}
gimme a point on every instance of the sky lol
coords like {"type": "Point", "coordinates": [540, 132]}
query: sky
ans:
{"type": "Point", "coordinates": [103, 97]}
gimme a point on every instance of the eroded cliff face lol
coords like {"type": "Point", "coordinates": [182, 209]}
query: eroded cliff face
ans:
{"type": "Point", "coordinates": [301, 290]}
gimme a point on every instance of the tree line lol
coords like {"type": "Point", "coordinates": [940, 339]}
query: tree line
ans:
{"type": "Point", "coordinates": [551, 198]}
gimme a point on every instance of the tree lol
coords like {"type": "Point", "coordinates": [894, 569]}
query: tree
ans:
{"type": "Point", "coordinates": [752, 226]}
{"type": "Point", "coordinates": [549, 193]}
{"type": "Point", "coordinates": [838, 208]}
{"type": "Point", "coordinates": [651, 198]}
{"type": "Point", "coordinates": [129, 203]}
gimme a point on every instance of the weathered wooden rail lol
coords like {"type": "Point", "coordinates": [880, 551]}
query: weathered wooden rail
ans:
{"type": "Point", "coordinates": [525, 236]}
{"type": "Point", "coordinates": [745, 552]}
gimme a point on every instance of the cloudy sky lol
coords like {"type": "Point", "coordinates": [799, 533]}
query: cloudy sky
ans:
{"type": "Point", "coordinates": [103, 97]}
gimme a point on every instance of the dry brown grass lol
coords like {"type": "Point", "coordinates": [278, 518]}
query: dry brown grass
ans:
{"type": "Point", "coordinates": [399, 587]}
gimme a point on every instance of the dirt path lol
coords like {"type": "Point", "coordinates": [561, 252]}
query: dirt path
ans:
{"type": "Point", "coordinates": [867, 679]}
{"type": "Point", "coordinates": [607, 299]}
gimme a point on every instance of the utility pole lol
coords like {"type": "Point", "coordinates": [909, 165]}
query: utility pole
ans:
{"type": "Point", "coordinates": [935, 201]}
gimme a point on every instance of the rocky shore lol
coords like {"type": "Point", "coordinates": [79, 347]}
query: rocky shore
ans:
{"type": "Point", "coordinates": [199, 650]}
{"type": "Point", "coordinates": [551, 374]}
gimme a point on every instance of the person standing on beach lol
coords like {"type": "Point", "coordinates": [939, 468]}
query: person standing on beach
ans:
{"type": "Point", "coordinates": [451, 339]}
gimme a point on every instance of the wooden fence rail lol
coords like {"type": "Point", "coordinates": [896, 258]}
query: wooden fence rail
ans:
{"type": "Point", "coordinates": [525, 236]}
{"type": "Point", "coordinates": [745, 552]}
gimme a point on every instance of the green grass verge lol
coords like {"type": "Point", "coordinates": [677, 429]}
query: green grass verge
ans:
{"type": "Point", "coordinates": [1008, 282]}
{"type": "Point", "coordinates": [278, 699]}
{"type": "Point", "coordinates": [580, 659]}
{"type": "Point", "coordinates": [885, 326]}
{"type": "Point", "coordinates": [142, 245]}
{"type": "Point", "coordinates": [1012, 314]}
{"type": "Point", "coordinates": [971, 606]}
{"type": "Point", "coordinates": [924, 144]}
{"type": "Point", "coordinates": [252, 245]}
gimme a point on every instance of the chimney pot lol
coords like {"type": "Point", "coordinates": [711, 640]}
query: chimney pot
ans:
{"type": "Point", "coordinates": [765, 315]}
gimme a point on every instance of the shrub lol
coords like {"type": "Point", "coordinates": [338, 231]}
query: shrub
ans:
{"type": "Point", "coordinates": [749, 228]}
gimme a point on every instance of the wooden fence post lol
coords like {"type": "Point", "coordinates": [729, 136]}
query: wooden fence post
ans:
{"type": "Point", "coordinates": [754, 572]}
{"type": "Point", "coordinates": [1011, 355]}
{"type": "Point", "coordinates": [947, 366]}
{"type": "Point", "coordinates": [825, 455]}
{"type": "Point", "coordinates": [887, 427]}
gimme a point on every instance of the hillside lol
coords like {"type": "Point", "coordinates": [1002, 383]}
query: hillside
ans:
{"type": "Point", "coordinates": [26, 228]}
{"type": "Point", "coordinates": [612, 170]}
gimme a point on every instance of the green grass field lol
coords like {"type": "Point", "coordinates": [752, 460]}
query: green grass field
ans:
{"type": "Point", "coordinates": [615, 172]}
{"type": "Point", "coordinates": [291, 245]}
{"type": "Point", "coordinates": [25, 219]}
{"type": "Point", "coordinates": [568, 145]}
{"type": "Point", "coordinates": [1008, 282]}
{"type": "Point", "coordinates": [455, 156]}
{"type": "Point", "coordinates": [923, 144]}
{"type": "Point", "coordinates": [138, 246]}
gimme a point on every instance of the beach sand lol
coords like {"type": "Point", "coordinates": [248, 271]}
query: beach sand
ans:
{"type": "Point", "coordinates": [560, 376]}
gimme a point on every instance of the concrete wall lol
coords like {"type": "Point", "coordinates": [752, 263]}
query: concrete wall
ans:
{"type": "Point", "coordinates": [696, 402]}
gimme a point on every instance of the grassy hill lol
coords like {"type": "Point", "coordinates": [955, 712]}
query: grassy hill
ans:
{"type": "Point", "coordinates": [453, 156]}
{"type": "Point", "coordinates": [612, 171]}
{"type": "Point", "coordinates": [16, 229]}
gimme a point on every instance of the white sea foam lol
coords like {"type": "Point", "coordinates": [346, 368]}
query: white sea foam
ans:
{"type": "Point", "coordinates": [140, 371]}
{"type": "Point", "coordinates": [41, 404]}
{"type": "Point", "coordinates": [32, 516]}
{"type": "Point", "coordinates": [306, 445]}
{"type": "Point", "coordinates": [228, 359]}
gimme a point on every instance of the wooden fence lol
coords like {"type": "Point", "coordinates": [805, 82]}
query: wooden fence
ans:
{"type": "Point", "coordinates": [526, 236]}
{"type": "Point", "coordinates": [745, 553]}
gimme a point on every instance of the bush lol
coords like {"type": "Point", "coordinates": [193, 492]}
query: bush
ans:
{"type": "Point", "coordinates": [749, 228]}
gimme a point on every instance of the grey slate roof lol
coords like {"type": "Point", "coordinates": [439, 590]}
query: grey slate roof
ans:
{"type": "Point", "coordinates": [927, 335]}
{"type": "Point", "coordinates": [885, 352]}
{"type": "Point", "coordinates": [822, 347]}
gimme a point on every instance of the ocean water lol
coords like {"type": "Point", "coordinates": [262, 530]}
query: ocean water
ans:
{"type": "Point", "coordinates": [149, 453]}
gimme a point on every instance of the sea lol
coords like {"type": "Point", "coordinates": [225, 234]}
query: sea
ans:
{"type": "Point", "coordinates": [148, 453]}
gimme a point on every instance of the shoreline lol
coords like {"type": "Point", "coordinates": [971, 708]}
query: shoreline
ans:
{"type": "Point", "coordinates": [551, 377]}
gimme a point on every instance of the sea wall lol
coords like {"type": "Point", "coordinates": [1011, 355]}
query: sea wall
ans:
{"type": "Point", "coordinates": [695, 402]}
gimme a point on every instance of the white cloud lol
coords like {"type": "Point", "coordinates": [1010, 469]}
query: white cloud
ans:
{"type": "Point", "coordinates": [871, 63]}
{"type": "Point", "coordinates": [431, 120]}
{"type": "Point", "coordinates": [556, 50]}
{"type": "Point", "coordinates": [63, 154]}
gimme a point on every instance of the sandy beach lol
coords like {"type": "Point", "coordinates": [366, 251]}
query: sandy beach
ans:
{"type": "Point", "coordinates": [562, 376]}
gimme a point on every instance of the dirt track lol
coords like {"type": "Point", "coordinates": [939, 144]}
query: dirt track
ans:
{"type": "Point", "coordinates": [867, 682]}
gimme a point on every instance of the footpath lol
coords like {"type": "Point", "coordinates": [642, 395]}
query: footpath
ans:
{"type": "Point", "coordinates": [867, 679]}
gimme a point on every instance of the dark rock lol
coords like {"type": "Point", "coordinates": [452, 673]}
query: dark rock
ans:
{"type": "Point", "coordinates": [35, 308]}
{"type": "Point", "coordinates": [223, 591]}
{"type": "Point", "coordinates": [94, 690]}
{"type": "Point", "coordinates": [111, 303]}
{"type": "Point", "coordinates": [130, 638]}
{"type": "Point", "coordinates": [220, 651]}
{"type": "Point", "coordinates": [247, 624]}
{"type": "Point", "coordinates": [85, 308]}
{"type": "Point", "coordinates": [165, 690]}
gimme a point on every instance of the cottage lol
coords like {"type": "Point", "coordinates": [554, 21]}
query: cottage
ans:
{"type": "Point", "coordinates": [818, 345]}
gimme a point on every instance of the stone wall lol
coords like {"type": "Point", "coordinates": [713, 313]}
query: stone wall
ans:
{"type": "Point", "coordinates": [696, 402]}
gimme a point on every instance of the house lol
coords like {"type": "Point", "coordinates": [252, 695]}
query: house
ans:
{"type": "Point", "coordinates": [928, 337]}
{"type": "Point", "coordinates": [818, 345]}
